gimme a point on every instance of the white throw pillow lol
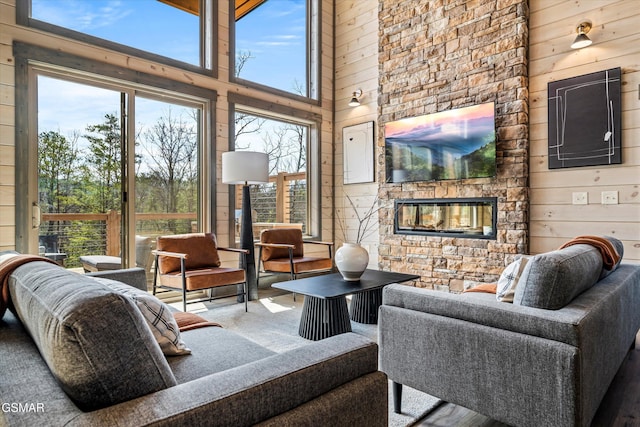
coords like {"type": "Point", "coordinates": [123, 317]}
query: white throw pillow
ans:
{"type": "Point", "coordinates": [157, 314]}
{"type": "Point", "coordinates": [508, 281]}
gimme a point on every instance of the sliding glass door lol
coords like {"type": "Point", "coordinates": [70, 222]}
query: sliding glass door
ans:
{"type": "Point", "coordinates": [117, 166]}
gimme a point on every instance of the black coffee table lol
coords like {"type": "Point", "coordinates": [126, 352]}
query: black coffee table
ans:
{"type": "Point", "coordinates": [325, 312]}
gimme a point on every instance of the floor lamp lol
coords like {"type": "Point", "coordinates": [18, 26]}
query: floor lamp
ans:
{"type": "Point", "coordinates": [246, 168]}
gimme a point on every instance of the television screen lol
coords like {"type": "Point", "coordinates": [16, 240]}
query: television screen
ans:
{"type": "Point", "coordinates": [453, 144]}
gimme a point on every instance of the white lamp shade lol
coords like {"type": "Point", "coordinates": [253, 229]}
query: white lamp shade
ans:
{"type": "Point", "coordinates": [245, 167]}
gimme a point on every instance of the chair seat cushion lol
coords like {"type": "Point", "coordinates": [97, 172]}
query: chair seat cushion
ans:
{"type": "Point", "coordinates": [300, 265]}
{"type": "Point", "coordinates": [100, 262]}
{"type": "Point", "coordinates": [204, 278]}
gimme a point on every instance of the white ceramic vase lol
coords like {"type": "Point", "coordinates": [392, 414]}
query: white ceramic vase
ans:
{"type": "Point", "coordinates": [351, 261]}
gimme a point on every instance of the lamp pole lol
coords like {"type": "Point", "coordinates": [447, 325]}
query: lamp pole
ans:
{"type": "Point", "coordinates": [248, 262]}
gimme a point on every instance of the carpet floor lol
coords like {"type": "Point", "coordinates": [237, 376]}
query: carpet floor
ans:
{"type": "Point", "coordinates": [272, 321]}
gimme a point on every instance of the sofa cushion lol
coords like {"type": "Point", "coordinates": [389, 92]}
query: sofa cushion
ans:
{"type": "Point", "coordinates": [552, 279]}
{"type": "Point", "coordinates": [157, 315]}
{"type": "Point", "coordinates": [101, 262]}
{"type": "Point", "coordinates": [214, 349]}
{"type": "Point", "coordinates": [95, 341]}
{"type": "Point", "coordinates": [509, 279]}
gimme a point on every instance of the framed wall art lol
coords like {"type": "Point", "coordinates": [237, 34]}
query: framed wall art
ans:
{"type": "Point", "coordinates": [585, 120]}
{"type": "Point", "coordinates": [358, 148]}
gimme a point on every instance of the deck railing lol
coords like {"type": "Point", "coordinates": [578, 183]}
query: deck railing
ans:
{"type": "Point", "coordinates": [79, 234]}
{"type": "Point", "coordinates": [76, 234]}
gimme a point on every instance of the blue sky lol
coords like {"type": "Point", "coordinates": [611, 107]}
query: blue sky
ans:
{"type": "Point", "coordinates": [274, 33]}
{"type": "Point", "coordinates": [277, 51]}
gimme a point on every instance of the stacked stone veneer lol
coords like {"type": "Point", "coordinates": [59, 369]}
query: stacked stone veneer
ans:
{"type": "Point", "coordinates": [444, 54]}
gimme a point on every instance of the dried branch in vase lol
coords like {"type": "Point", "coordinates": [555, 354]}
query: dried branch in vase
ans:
{"type": "Point", "coordinates": [367, 220]}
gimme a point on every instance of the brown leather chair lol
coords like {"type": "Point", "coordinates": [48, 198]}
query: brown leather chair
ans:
{"type": "Point", "coordinates": [190, 262]}
{"type": "Point", "coordinates": [282, 251]}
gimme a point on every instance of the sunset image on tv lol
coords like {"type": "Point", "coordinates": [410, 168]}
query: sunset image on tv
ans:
{"type": "Point", "coordinates": [453, 144]}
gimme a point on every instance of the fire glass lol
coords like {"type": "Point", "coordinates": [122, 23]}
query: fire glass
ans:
{"type": "Point", "coordinates": [457, 217]}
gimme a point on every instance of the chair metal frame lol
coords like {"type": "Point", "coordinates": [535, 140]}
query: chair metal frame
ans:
{"type": "Point", "coordinates": [290, 247]}
{"type": "Point", "coordinates": [183, 273]}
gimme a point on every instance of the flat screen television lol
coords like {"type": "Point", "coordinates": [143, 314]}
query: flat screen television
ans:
{"type": "Point", "coordinates": [453, 144]}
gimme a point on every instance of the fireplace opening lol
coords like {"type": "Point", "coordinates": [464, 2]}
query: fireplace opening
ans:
{"type": "Point", "coordinates": [470, 218]}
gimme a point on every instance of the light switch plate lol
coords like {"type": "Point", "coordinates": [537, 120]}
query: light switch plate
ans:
{"type": "Point", "coordinates": [580, 198]}
{"type": "Point", "coordinates": [609, 197]}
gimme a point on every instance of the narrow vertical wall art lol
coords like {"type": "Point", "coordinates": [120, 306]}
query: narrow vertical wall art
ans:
{"type": "Point", "coordinates": [357, 147]}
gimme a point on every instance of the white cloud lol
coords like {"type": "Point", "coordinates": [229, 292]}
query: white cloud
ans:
{"type": "Point", "coordinates": [81, 15]}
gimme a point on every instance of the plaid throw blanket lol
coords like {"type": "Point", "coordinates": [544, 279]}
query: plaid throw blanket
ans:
{"type": "Point", "coordinates": [6, 268]}
{"type": "Point", "coordinates": [610, 257]}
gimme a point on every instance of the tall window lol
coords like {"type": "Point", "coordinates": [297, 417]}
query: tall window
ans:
{"type": "Point", "coordinates": [276, 46]}
{"type": "Point", "coordinates": [168, 28]}
{"type": "Point", "coordinates": [287, 198]}
{"type": "Point", "coordinates": [107, 158]}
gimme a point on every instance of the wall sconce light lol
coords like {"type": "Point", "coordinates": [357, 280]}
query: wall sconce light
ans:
{"type": "Point", "coordinates": [355, 98]}
{"type": "Point", "coordinates": [582, 40]}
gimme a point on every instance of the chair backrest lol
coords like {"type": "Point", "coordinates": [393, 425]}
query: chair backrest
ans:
{"type": "Point", "coordinates": [143, 252]}
{"type": "Point", "coordinates": [201, 250]}
{"type": "Point", "coordinates": [290, 236]}
{"type": "Point", "coordinates": [50, 242]}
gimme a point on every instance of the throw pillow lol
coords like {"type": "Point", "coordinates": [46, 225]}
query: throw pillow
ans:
{"type": "Point", "coordinates": [157, 314]}
{"type": "Point", "coordinates": [489, 288]}
{"type": "Point", "coordinates": [188, 321]}
{"type": "Point", "coordinates": [508, 281]}
{"type": "Point", "coordinates": [553, 279]}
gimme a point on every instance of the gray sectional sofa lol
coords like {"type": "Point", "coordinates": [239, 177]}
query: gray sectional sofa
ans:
{"type": "Point", "coordinates": [80, 354]}
{"type": "Point", "coordinates": [547, 359]}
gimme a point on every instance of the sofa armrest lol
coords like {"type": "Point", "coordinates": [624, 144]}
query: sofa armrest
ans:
{"type": "Point", "coordinates": [256, 391]}
{"type": "Point", "coordinates": [135, 276]}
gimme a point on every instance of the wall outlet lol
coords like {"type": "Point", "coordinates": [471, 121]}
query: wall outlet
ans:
{"type": "Point", "coordinates": [609, 197]}
{"type": "Point", "coordinates": [580, 198]}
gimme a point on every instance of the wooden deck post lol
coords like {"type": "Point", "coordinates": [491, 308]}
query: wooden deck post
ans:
{"type": "Point", "coordinates": [113, 233]}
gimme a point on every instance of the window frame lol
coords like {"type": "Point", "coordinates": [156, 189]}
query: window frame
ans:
{"type": "Point", "coordinates": [34, 60]}
{"type": "Point", "coordinates": [268, 110]}
{"type": "Point", "coordinates": [208, 46]}
{"type": "Point", "coordinates": [313, 72]}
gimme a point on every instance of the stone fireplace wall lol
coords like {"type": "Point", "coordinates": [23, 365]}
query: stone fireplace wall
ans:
{"type": "Point", "coordinates": [444, 54]}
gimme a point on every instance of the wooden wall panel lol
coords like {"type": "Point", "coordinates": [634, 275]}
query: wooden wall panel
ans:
{"type": "Point", "coordinates": [616, 43]}
{"type": "Point", "coordinates": [356, 67]}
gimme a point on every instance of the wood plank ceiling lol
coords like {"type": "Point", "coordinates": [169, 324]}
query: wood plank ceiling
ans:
{"type": "Point", "coordinates": [193, 6]}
